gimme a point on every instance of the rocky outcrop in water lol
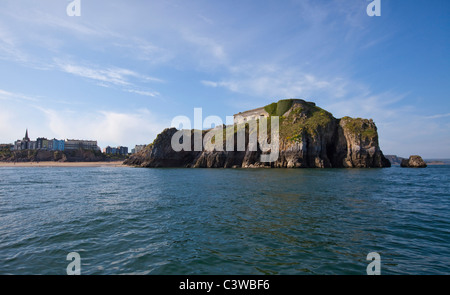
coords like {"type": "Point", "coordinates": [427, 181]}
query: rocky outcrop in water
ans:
{"type": "Point", "coordinates": [413, 162]}
{"type": "Point", "coordinates": [309, 137]}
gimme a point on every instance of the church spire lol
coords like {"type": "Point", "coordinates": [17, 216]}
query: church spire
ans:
{"type": "Point", "coordinates": [26, 136]}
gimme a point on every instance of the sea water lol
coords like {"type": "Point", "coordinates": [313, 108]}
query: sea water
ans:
{"type": "Point", "coordinates": [124, 220]}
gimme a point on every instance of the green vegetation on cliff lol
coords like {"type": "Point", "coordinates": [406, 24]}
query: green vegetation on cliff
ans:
{"type": "Point", "coordinates": [279, 108]}
{"type": "Point", "coordinates": [5, 152]}
{"type": "Point", "coordinates": [360, 127]}
{"type": "Point", "coordinates": [299, 118]}
{"type": "Point", "coordinates": [303, 118]}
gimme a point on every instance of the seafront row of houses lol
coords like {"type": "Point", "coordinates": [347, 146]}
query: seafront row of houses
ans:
{"type": "Point", "coordinates": [122, 150]}
{"type": "Point", "coordinates": [42, 143]}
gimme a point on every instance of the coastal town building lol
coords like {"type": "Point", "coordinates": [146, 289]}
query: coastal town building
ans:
{"type": "Point", "coordinates": [107, 150]}
{"type": "Point", "coordinates": [120, 150]}
{"type": "Point", "coordinates": [123, 150]}
{"type": "Point", "coordinates": [58, 145]}
{"type": "Point", "coordinates": [22, 144]}
{"type": "Point", "coordinates": [250, 115]}
{"type": "Point", "coordinates": [39, 143]}
{"type": "Point", "coordinates": [74, 144]}
{"type": "Point", "coordinates": [32, 145]}
{"type": "Point", "coordinates": [43, 143]}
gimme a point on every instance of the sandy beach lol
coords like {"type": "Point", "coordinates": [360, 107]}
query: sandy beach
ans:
{"type": "Point", "coordinates": [63, 164]}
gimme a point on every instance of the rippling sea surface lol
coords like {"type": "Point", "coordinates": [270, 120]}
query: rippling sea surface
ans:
{"type": "Point", "coordinates": [224, 221]}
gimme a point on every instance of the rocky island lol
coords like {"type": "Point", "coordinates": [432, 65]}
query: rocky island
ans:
{"type": "Point", "coordinates": [309, 137]}
{"type": "Point", "coordinates": [414, 161]}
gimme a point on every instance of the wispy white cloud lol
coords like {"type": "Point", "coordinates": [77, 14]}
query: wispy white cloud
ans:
{"type": "Point", "coordinates": [6, 95]}
{"type": "Point", "coordinates": [205, 19]}
{"type": "Point", "coordinates": [140, 49]}
{"type": "Point", "coordinates": [9, 49]}
{"type": "Point", "coordinates": [211, 83]}
{"type": "Point", "coordinates": [361, 102]}
{"type": "Point", "coordinates": [115, 76]}
{"type": "Point", "coordinates": [51, 32]}
{"type": "Point", "coordinates": [206, 47]}
{"type": "Point", "coordinates": [18, 99]}
{"type": "Point", "coordinates": [144, 93]}
{"type": "Point", "coordinates": [105, 76]}
{"type": "Point", "coordinates": [275, 81]}
{"type": "Point", "coordinates": [437, 116]}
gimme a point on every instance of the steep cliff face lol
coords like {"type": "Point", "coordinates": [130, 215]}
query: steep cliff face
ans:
{"type": "Point", "coordinates": [308, 137]}
{"type": "Point", "coordinates": [361, 142]}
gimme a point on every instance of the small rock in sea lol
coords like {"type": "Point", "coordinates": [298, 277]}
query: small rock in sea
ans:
{"type": "Point", "coordinates": [413, 162]}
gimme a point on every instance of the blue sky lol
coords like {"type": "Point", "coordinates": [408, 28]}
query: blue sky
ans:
{"type": "Point", "coordinates": [122, 70]}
